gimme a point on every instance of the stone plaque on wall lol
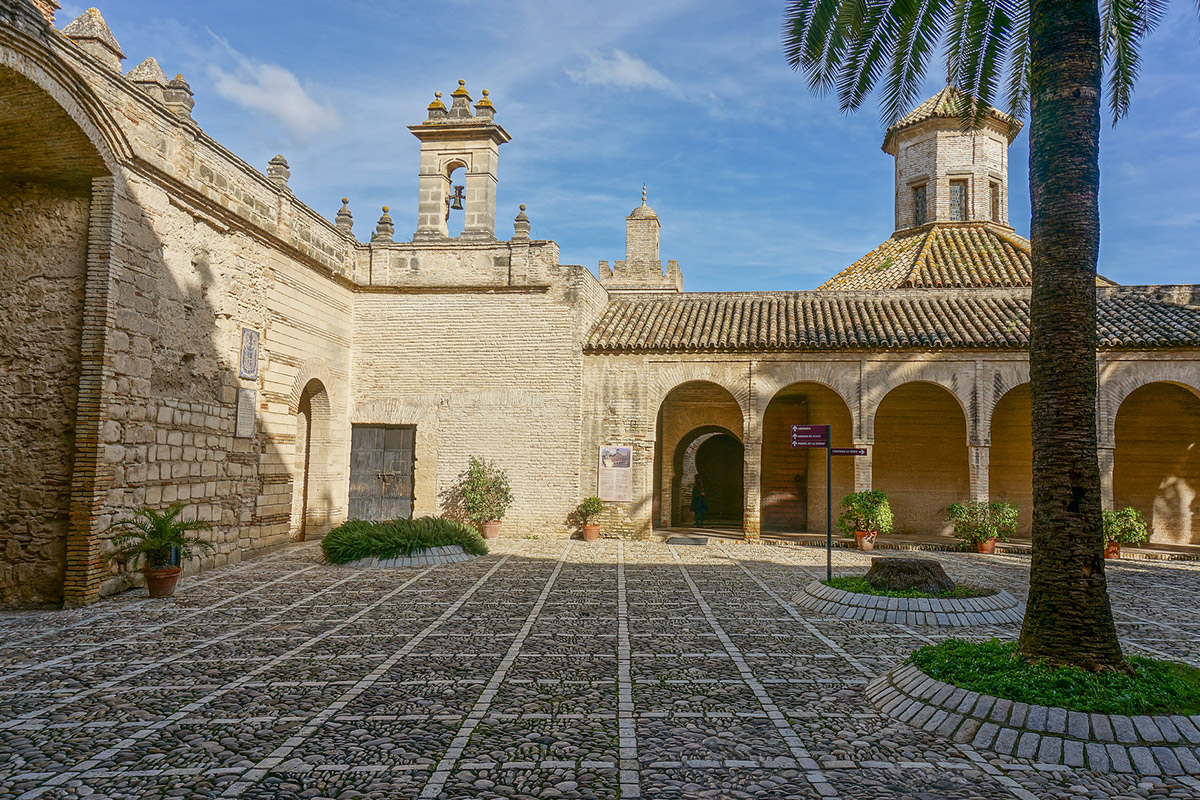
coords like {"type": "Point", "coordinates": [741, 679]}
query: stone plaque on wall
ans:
{"type": "Point", "coordinates": [247, 400]}
{"type": "Point", "coordinates": [249, 360]}
{"type": "Point", "coordinates": [616, 474]}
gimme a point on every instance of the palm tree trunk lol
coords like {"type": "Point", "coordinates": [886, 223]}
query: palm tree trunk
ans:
{"type": "Point", "coordinates": [1069, 619]}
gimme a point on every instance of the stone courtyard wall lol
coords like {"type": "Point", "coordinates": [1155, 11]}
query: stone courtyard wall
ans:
{"type": "Point", "coordinates": [43, 267]}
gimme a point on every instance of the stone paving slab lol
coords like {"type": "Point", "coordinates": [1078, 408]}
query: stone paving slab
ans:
{"type": "Point", "coordinates": [447, 554]}
{"type": "Point", "coordinates": [548, 669]}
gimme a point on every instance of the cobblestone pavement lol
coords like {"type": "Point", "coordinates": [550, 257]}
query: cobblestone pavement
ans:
{"type": "Point", "coordinates": [546, 669]}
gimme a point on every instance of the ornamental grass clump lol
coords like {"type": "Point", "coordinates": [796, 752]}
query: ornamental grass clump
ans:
{"type": "Point", "coordinates": [358, 539]}
{"type": "Point", "coordinates": [994, 668]}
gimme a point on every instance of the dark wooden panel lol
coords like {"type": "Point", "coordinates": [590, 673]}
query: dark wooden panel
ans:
{"type": "Point", "coordinates": [381, 468]}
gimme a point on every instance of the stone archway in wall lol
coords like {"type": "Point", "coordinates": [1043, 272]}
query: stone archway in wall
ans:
{"type": "Point", "coordinates": [715, 456]}
{"type": "Point", "coordinates": [706, 418]}
{"type": "Point", "coordinates": [1156, 462]}
{"type": "Point", "coordinates": [49, 170]}
{"type": "Point", "coordinates": [920, 455]}
{"type": "Point", "coordinates": [312, 490]}
{"type": "Point", "coordinates": [793, 479]}
{"type": "Point", "coordinates": [1010, 456]}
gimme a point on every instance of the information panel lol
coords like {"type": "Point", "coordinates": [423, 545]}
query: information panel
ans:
{"type": "Point", "coordinates": [616, 474]}
{"type": "Point", "coordinates": [247, 400]}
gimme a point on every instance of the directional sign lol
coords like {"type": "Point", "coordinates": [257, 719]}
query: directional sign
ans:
{"type": "Point", "coordinates": [847, 451]}
{"type": "Point", "coordinates": [810, 436]}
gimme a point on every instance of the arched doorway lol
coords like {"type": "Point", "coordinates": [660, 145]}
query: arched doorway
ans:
{"type": "Point", "coordinates": [1010, 457]}
{"type": "Point", "coordinates": [793, 479]}
{"type": "Point", "coordinates": [920, 456]}
{"type": "Point", "coordinates": [1156, 464]}
{"type": "Point", "coordinates": [49, 172]}
{"type": "Point", "coordinates": [699, 433]}
{"type": "Point", "coordinates": [717, 458]}
{"type": "Point", "coordinates": [311, 492]}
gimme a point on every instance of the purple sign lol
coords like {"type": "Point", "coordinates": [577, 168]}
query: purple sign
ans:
{"type": "Point", "coordinates": [810, 436]}
{"type": "Point", "coordinates": [848, 451]}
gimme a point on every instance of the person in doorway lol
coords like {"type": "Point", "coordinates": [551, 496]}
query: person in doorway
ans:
{"type": "Point", "coordinates": [699, 502]}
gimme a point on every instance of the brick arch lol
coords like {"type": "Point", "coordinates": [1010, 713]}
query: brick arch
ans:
{"type": "Point", "coordinates": [771, 381]}
{"type": "Point", "coordinates": [1010, 455]}
{"type": "Point", "coordinates": [676, 375]}
{"type": "Point", "coordinates": [1128, 379]}
{"type": "Point", "coordinates": [874, 396]}
{"type": "Point", "coordinates": [28, 49]}
{"type": "Point", "coordinates": [920, 458]}
{"type": "Point", "coordinates": [1003, 379]}
{"type": "Point", "coordinates": [313, 369]}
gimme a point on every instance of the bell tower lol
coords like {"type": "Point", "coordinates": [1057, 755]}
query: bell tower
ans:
{"type": "Point", "coordinates": [455, 139]}
{"type": "Point", "coordinates": [945, 173]}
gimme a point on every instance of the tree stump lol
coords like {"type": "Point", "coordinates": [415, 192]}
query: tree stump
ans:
{"type": "Point", "coordinates": [900, 574]}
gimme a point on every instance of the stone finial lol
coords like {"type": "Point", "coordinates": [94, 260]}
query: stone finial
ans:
{"type": "Point", "coordinates": [149, 77]}
{"type": "Point", "coordinates": [643, 194]}
{"type": "Point", "coordinates": [521, 225]}
{"type": "Point", "coordinates": [91, 33]}
{"type": "Point", "coordinates": [278, 172]}
{"type": "Point", "coordinates": [437, 109]}
{"type": "Point", "coordinates": [460, 108]}
{"type": "Point", "coordinates": [484, 108]}
{"type": "Point", "coordinates": [179, 97]}
{"type": "Point", "coordinates": [344, 219]}
{"type": "Point", "coordinates": [385, 230]}
{"type": "Point", "coordinates": [47, 7]}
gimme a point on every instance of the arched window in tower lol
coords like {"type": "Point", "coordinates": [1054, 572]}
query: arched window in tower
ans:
{"type": "Point", "coordinates": [958, 201]}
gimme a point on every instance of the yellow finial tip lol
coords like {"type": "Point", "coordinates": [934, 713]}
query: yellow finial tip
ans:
{"type": "Point", "coordinates": [385, 209]}
{"type": "Point", "coordinates": [345, 200]}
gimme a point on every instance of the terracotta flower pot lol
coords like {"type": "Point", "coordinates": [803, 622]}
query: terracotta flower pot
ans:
{"type": "Point", "coordinates": [491, 529]}
{"type": "Point", "coordinates": [161, 582]}
{"type": "Point", "coordinates": [986, 546]}
{"type": "Point", "coordinates": [1112, 549]}
{"type": "Point", "coordinates": [865, 539]}
{"type": "Point", "coordinates": [591, 533]}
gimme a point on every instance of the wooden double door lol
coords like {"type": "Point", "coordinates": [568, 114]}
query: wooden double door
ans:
{"type": "Point", "coordinates": [381, 472]}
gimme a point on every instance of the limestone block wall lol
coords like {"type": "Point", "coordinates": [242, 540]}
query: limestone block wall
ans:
{"type": "Point", "coordinates": [936, 152]}
{"type": "Point", "coordinates": [43, 266]}
{"type": "Point", "coordinates": [494, 374]}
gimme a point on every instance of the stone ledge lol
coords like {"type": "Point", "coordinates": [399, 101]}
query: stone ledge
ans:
{"type": "Point", "coordinates": [1145, 745]}
{"type": "Point", "coordinates": [447, 554]}
{"type": "Point", "coordinates": [997, 609]}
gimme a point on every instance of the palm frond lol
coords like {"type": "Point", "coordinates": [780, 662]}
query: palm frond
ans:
{"type": "Point", "coordinates": [1018, 63]}
{"type": "Point", "coordinates": [812, 38]}
{"type": "Point", "coordinates": [1123, 26]}
{"type": "Point", "coordinates": [922, 25]}
{"type": "Point", "coordinates": [978, 49]}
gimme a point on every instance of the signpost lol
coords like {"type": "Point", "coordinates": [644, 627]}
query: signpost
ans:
{"type": "Point", "coordinates": [814, 436]}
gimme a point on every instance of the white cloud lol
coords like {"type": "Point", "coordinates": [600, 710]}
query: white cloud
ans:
{"type": "Point", "coordinates": [273, 91]}
{"type": "Point", "coordinates": [620, 70]}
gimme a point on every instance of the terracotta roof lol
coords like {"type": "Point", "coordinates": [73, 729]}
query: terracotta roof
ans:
{"type": "Point", "coordinates": [947, 255]}
{"type": "Point", "coordinates": [946, 104]}
{"type": "Point", "coordinates": [907, 320]}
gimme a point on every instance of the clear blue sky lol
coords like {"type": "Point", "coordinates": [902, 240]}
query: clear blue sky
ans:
{"type": "Point", "coordinates": [759, 184]}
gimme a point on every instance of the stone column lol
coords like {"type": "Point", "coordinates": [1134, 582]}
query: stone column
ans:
{"type": "Point", "coordinates": [862, 467]}
{"type": "Point", "coordinates": [1105, 453]}
{"type": "Point", "coordinates": [978, 460]}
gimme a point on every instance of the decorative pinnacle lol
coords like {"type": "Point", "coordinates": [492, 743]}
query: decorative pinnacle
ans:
{"type": "Point", "coordinates": [437, 104]}
{"type": "Point", "coordinates": [643, 194]}
{"type": "Point", "coordinates": [386, 209]}
{"type": "Point", "coordinates": [461, 90]}
{"type": "Point", "coordinates": [345, 201]}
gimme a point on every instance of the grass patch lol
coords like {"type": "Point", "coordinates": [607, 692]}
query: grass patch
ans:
{"type": "Point", "coordinates": [357, 539]}
{"type": "Point", "coordinates": [858, 584]}
{"type": "Point", "coordinates": [1159, 687]}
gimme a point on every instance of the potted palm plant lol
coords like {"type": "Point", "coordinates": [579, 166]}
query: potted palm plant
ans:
{"type": "Point", "coordinates": [486, 495]}
{"type": "Point", "coordinates": [1126, 526]}
{"type": "Point", "coordinates": [161, 537]}
{"type": "Point", "coordinates": [864, 516]}
{"type": "Point", "coordinates": [585, 515]}
{"type": "Point", "coordinates": [982, 524]}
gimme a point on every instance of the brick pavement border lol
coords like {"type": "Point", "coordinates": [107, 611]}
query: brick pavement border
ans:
{"type": "Point", "coordinates": [434, 555]}
{"type": "Point", "coordinates": [1145, 745]}
{"type": "Point", "coordinates": [996, 609]}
